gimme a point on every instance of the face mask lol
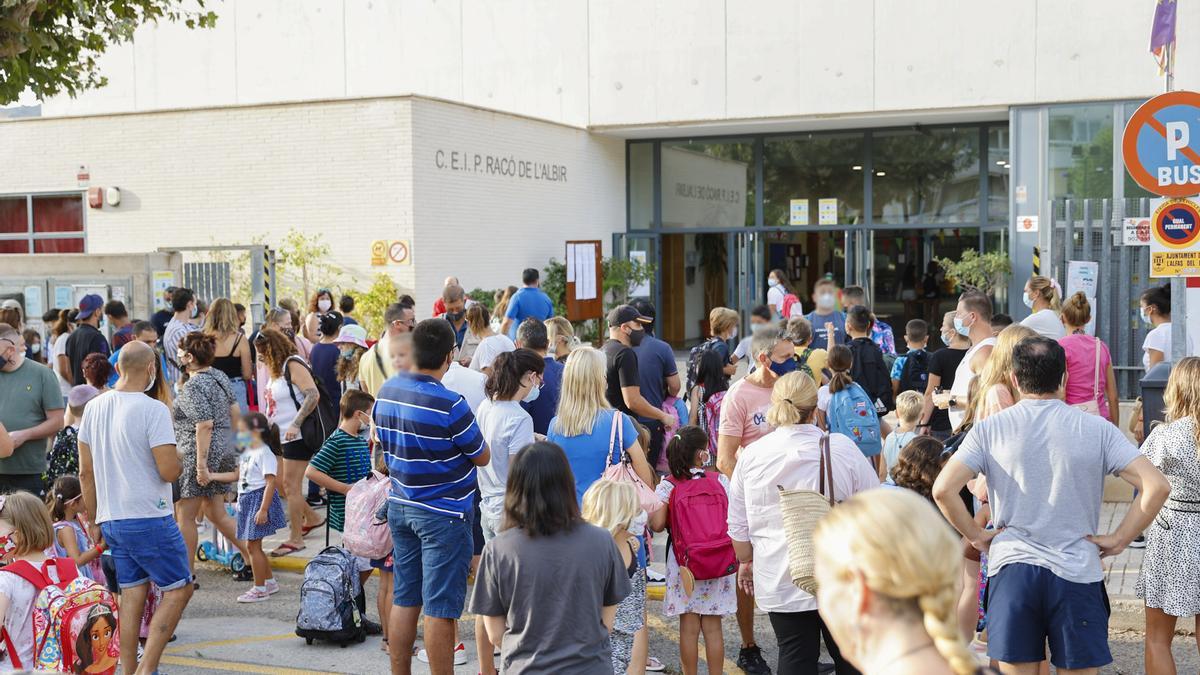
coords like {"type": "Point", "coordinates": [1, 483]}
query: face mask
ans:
{"type": "Point", "coordinates": [635, 337]}
{"type": "Point", "coordinates": [532, 395]}
{"type": "Point", "coordinates": [825, 301]}
{"type": "Point", "coordinates": [1028, 301]}
{"type": "Point", "coordinates": [963, 329]}
{"type": "Point", "coordinates": [35, 348]}
{"type": "Point", "coordinates": [756, 328]}
{"type": "Point", "coordinates": [291, 333]}
{"type": "Point", "coordinates": [243, 439]}
{"type": "Point", "coordinates": [153, 377]}
{"type": "Point", "coordinates": [324, 305]}
{"type": "Point", "coordinates": [773, 282]}
{"type": "Point", "coordinates": [454, 317]}
{"type": "Point", "coordinates": [733, 335]}
{"type": "Point", "coordinates": [195, 311]}
{"type": "Point", "coordinates": [348, 353]}
{"type": "Point", "coordinates": [784, 368]}
{"type": "Point", "coordinates": [179, 358]}
{"type": "Point", "coordinates": [948, 337]}
{"type": "Point", "coordinates": [1144, 313]}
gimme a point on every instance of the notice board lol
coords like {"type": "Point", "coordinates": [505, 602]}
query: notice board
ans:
{"type": "Point", "coordinates": [585, 283]}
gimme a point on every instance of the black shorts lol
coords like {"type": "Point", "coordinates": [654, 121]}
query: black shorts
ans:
{"type": "Point", "coordinates": [298, 451]}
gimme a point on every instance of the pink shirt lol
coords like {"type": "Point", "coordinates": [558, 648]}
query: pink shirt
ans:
{"type": "Point", "coordinates": [744, 412]}
{"type": "Point", "coordinates": [1081, 370]}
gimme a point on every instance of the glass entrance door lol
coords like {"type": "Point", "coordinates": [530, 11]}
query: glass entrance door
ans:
{"type": "Point", "coordinates": [902, 285]}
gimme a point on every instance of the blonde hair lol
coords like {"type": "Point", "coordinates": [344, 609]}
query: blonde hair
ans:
{"type": "Point", "coordinates": [908, 557]}
{"type": "Point", "coordinates": [793, 400]}
{"type": "Point", "coordinates": [478, 319]}
{"type": "Point", "coordinates": [30, 520]}
{"type": "Point", "coordinates": [721, 319]}
{"type": "Point", "coordinates": [999, 366]}
{"type": "Point", "coordinates": [1183, 393]}
{"type": "Point", "coordinates": [610, 505]}
{"type": "Point", "coordinates": [558, 328]}
{"type": "Point", "coordinates": [909, 405]}
{"type": "Point", "coordinates": [1047, 290]}
{"type": "Point", "coordinates": [221, 319]}
{"type": "Point", "coordinates": [582, 397]}
{"type": "Point", "coordinates": [1077, 311]}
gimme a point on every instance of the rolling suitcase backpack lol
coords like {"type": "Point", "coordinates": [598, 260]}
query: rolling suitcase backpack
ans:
{"type": "Point", "coordinates": [327, 609]}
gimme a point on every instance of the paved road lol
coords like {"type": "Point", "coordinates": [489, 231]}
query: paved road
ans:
{"type": "Point", "coordinates": [219, 635]}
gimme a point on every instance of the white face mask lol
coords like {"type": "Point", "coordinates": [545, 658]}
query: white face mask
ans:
{"type": "Point", "coordinates": [35, 348]}
{"type": "Point", "coordinates": [324, 305]}
{"type": "Point", "coordinates": [153, 376]}
{"type": "Point", "coordinates": [773, 282]}
{"type": "Point", "coordinates": [825, 301]}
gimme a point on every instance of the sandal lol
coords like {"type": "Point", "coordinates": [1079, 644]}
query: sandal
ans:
{"type": "Point", "coordinates": [309, 528]}
{"type": "Point", "coordinates": [285, 549]}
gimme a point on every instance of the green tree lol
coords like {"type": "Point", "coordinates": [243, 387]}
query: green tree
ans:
{"type": "Point", "coordinates": [307, 255]}
{"type": "Point", "coordinates": [52, 46]}
{"type": "Point", "coordinates": [984, 272]}
{"type": "Point", "coordinates": [370, 304]}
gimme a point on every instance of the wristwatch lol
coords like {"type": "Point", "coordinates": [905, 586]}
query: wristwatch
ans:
{"type": "Point", "coordinates": [953, 401]}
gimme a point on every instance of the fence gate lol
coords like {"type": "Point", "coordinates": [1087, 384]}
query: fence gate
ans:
{"type": "Point", "coordinates": [207, 279]}
{"type": "Point", "coordinates": [1091, 229]}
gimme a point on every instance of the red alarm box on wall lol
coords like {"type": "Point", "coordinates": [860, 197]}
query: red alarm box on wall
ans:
{"type": "Point", "coordinates": [95, 197]}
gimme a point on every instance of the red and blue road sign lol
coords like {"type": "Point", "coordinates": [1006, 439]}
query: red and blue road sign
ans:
{"type": "Point", "coordinates": [1176, 224]}
{"type": "Point", "coordinates": [1161, 144]}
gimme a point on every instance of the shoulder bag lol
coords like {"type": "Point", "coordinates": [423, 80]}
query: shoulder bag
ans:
{"type": "Point", "coordinates": [801, 511]}
{"type": "Point", "coordinates": [321, 422]}
{"type": "Point", "coordinates": [621, 469]}
{"type": "Point", "coordinates": [1092, 406]}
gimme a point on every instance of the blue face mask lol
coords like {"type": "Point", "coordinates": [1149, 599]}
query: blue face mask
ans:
{"type": "Point", "coordinates": [962, 329]}
{"type": "Point", "coordinates": [195, 311]}
{"type": "Point", "coordinates": [243, 439]}
{"type": "Point", "coordinates": [784, 368]}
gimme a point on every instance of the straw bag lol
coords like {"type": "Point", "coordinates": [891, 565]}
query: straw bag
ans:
{"type": "Point", "coordinates": [801, 510]}
{"type": "Point", "coordinates": [1092, 407]}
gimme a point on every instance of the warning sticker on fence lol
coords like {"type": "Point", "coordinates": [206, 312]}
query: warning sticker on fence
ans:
{"type": "Point", "coordinates": [1175, 239]}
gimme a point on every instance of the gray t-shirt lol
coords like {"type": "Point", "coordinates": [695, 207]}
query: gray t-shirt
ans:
{"type": "Point", "coordinates": [1045, 464]}
{"type": "Point", "coordinates": [552, 632]}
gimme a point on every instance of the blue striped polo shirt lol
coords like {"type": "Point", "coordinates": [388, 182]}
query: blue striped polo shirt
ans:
{"type": "Point", "coordinates": [428, 436]}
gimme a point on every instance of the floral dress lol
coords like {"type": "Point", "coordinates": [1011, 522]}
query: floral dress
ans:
{"type": "Point", "coordinates": [710, 597]}
{"type": "Point", "coordinates": [207, 395]}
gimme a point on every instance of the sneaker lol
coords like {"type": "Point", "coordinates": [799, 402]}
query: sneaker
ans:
{"type": "Point", "coordinates": [272, 587]}
{"type": "Point", "coordinates": [653, 665]}
{"type": "Point", "coordinates": [750, 660]}
{"type": "Point", "coordinates": [246, 574]}
{"type": "Point", "coordinates": [460, 655]}
{"type": "Point", "coordinates": [1138, 542]}
{"type": "Point", "coordinates": [655, 578]}
{"type": "Point", "coordinates": [254, 595]}
{"type": "Point", "coordinates": [371, 627]}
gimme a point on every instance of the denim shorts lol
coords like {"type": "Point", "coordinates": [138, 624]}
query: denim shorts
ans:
{"type": "Point", "coordinates": [148, 549]}
{"type": "Point", "coordinates": [432, 560]}
{"type": "Point", "coordinates": [1028, 606]}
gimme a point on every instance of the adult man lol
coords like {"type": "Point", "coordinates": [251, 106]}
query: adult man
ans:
{"type": "Point", "coordinates": [142, 331]}
{"type": "Point", "coordinates": [346, 304]}
{"type": "Point", "coordinates": [1045, 463]}
{"type": "Point", "coordinates": [531, 334]}
{"type": "Point", "coordinates": [455, 300]}
{"type": "Point", "coordinates": [658, 374]}
{"type": "Point", "coordinates": [375, 365]}
{"type": "Point", "coordinates": [31, 409]}
{"type": "Point", "coordinates": [627, 329]}
{"type": "Point", "coordinates": [162, 317]}
{"type": "Point", "coordinates": [431, 445]}
{"type": "Point", "coordinates": [86, 338]}
{"type": "Point", "coordinates": [824, 295]}
{"type": "Point", "coordinates": [439, 305]}
{"type": "Point", "coordinates": [183, 302]}
{"type": "Point", "coordinates": [127, 462]}
{"type": "Point", "coordinates": [743, 421]}
{"type": "Point", "coordinates": [529, 302]}
{"type": "Point", "coordinates": [118, 318]}
{"type": "Point", "coordinates": [881, 333]}
{"type": "Point", "coordinates": [972, 319]}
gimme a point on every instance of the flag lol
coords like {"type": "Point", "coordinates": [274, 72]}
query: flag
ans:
{"type": "Point", "coordinates": [1162, 33]}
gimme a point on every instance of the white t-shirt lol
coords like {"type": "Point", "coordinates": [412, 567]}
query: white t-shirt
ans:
{"type": "Point", "coordinates": [59, 348]}
{"type": "Point", "coordinates": [963, 376]}
{"type": "Point", "coordinates": [121, 428]}
{"type": "Point", "coordinates": [256, 464]}
{"type": "Point", "coordinates": [1046, 323]}
{"type": "Point", "coordinates": [466, 383]}
{"type": "Point", "coordinates": [775, 296]}
{"type": "Point", "coordinates": [18, 620]}
{"type": "Point", "coordinates": [507, 428]}
{"type": "Point", "coordinates": [489, 348]}
{"type": "Point", "coordinates": [1160, 339]}
{"type": "Point", "coordinates": [743, 347]}
{"type": "Point", "coordinates": [823, 398]}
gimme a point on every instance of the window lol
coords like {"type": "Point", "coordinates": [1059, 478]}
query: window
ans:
{"type": "Point", "coordinates": [1080, 163]}
{"type": "Point", "coordinates": [926, 176]}
{"type": "Point", "coordinates": [811, 168]}
{"type": "Point", "coordinates": [708, 184]}
{"type": "Point", "coordinates": [998, 171]}
{"type": "Point", "coordinates": [641, 186]}
{"type": "Point", "coordinates": [42, 224]}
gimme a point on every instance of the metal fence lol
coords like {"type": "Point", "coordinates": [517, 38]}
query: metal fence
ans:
{"type": "Point", "coordinates": [1091, 229]}
{"type": "Point", "coordinates": [209, 280]}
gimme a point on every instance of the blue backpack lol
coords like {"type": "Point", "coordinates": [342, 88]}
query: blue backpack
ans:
{"type": "Point", "coordinates": [851, 413]}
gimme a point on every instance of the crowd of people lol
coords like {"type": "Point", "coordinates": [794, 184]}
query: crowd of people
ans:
{"type": "Point", "coordinates": [959, 488]}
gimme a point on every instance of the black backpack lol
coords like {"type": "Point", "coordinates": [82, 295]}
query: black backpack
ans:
{"type": "Point", "coordinates": [322, 422]}
{"type": "Point", "coordinates": [915, 373]}
{"type": "Point", "coordinates": [693, 363]}
{"type": "Point", "coordinates": [872, 374]}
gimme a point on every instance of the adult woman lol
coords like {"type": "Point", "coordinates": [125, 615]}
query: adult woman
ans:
{"type": "Point", "coordinates": [33, 346]}
{"type": "Point", "coordinates": [97, 370]}
{"type": "Point", "coordinates": [1042, 296]}
{"type": "Point", "coordinates": [789, 456]}
{"type": "Point", "coordinates": [501, 307]}
{"type": "Point", "coordinates": [203, 415]}
{"type": "Point", "coordinates": [587, 428]}
{"type": "Point", "coordinates": [281, 320]}
{"type": "Point", "coordinates": [12, 317]}
{"type": "Point", "coordinates": [561, 335]}
{"type": "Point", "coordinates": [233, 349]}
{"type": "Point", "coordinates": [1169, 579]}
{"type": "Point", "coordinates": [996, 389]}
{"type": "Point", "coordinates": [1090, 377]}
{"type": "Point", "coordinates": [486, 345]}
{"type": "Point", "coordinates": [1155, 310]}
{"type": "Point", "coordinates": [58, 348]}
{"type": "Point", "coordinates": [707, 395]}
{"type": "Point", "coordinates": [352, 344]}
{"type": "Point", "coordinates": [942, 366]}
{"type": "Point", "coordinates": [886, 568]}
{"type": "Point", "coordinates": [778, 288]}
{"type": "Point", "coordinates": [320, 304]}
{"type": "Point", "coordinates": [544, 544]}
{"type": "Point", "coordinates": [286, 405]}
{"type": "Point", "coordinates": [325, 354]}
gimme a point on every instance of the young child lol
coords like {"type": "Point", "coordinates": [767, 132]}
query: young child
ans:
{"type": "Point", "coordinates": [71, 540]}
{"type": "Point", "coordinates": [809, 359]}
{"type": "Point", "coordinates": [908, 410]}
{"type": "Point", "coordinates": [844, 407]}
{"type": "Point", "coordinates": [710, 599]}
{"type": "Point", "coordinates": [343, 460]}
{"type": "Point", "coordinates": [869, 370]}
{"type": "Point", "coordinates": [614, 506]}
{"type": "Point", "coordinates": [910, 372]}
{"type": "Point", "coordinates": [25, 534]}
{"type": "Point", "coordinates": [63, 458]}
{"type": "Point", "coordinates": [260, 511]}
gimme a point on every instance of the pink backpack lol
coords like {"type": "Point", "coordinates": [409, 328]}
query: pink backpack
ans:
{"type": "Point", "coordinates": [789, 301]}
{"type": "Point", "coordinates": [698, 513]}
{"type": "Point", "coordinates": [363, 535]}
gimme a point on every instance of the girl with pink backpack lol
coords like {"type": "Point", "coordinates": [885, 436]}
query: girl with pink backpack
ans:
{"type": "Point", "coordinates": [701, 564]}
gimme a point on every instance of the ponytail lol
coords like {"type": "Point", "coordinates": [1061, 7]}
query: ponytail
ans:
{"type": "Point", "coordinates": [271, 438]}
{"type": "Point", "coordinates": [1048, 290]}
{"type": "Point", "coordinates": [269, 431]}
{"type": "Point", "coordinates": [941, 623]}
{"type": "Point", "coordinates": [682, 450]}
{"type": "Point", "coordinates": [841, 359]}
{"type": "Point", "coordinates": [64, 489]}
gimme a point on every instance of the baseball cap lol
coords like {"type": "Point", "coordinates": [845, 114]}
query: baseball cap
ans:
{"type": "Point", "coordinates": [81, 394]}
{"type": "Point", "coordinates": [89, 304]}
{"type": "Point", "coordinates": [624, 314]}
{"type": "Point", "coordinates": [355, 335]}
{"type": "Point", "coordinates": [10, 304]}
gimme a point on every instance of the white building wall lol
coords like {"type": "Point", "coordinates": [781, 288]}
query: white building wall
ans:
{"type": "Point", "coordinates": [485, 226]}
{"type": "Point", "coordinates": [627, 62]}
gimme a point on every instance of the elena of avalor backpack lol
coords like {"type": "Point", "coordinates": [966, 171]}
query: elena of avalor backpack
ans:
{"type": "Point", "coordinates": [851, 413]}
{"type": "Point", "coordinates": [364, 534]}
{"type": "Point", "coordinates": [698, 513]}
{"type": "Point", "coordinates": [74, 620]}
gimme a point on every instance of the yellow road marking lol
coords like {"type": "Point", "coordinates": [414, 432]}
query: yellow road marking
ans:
{"type": "Point", "coordinates": [176, 649]}
{"type": "Point", "coordinates": [659, 626]}
{"type": "Point", "coordinates": [234, 666]}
